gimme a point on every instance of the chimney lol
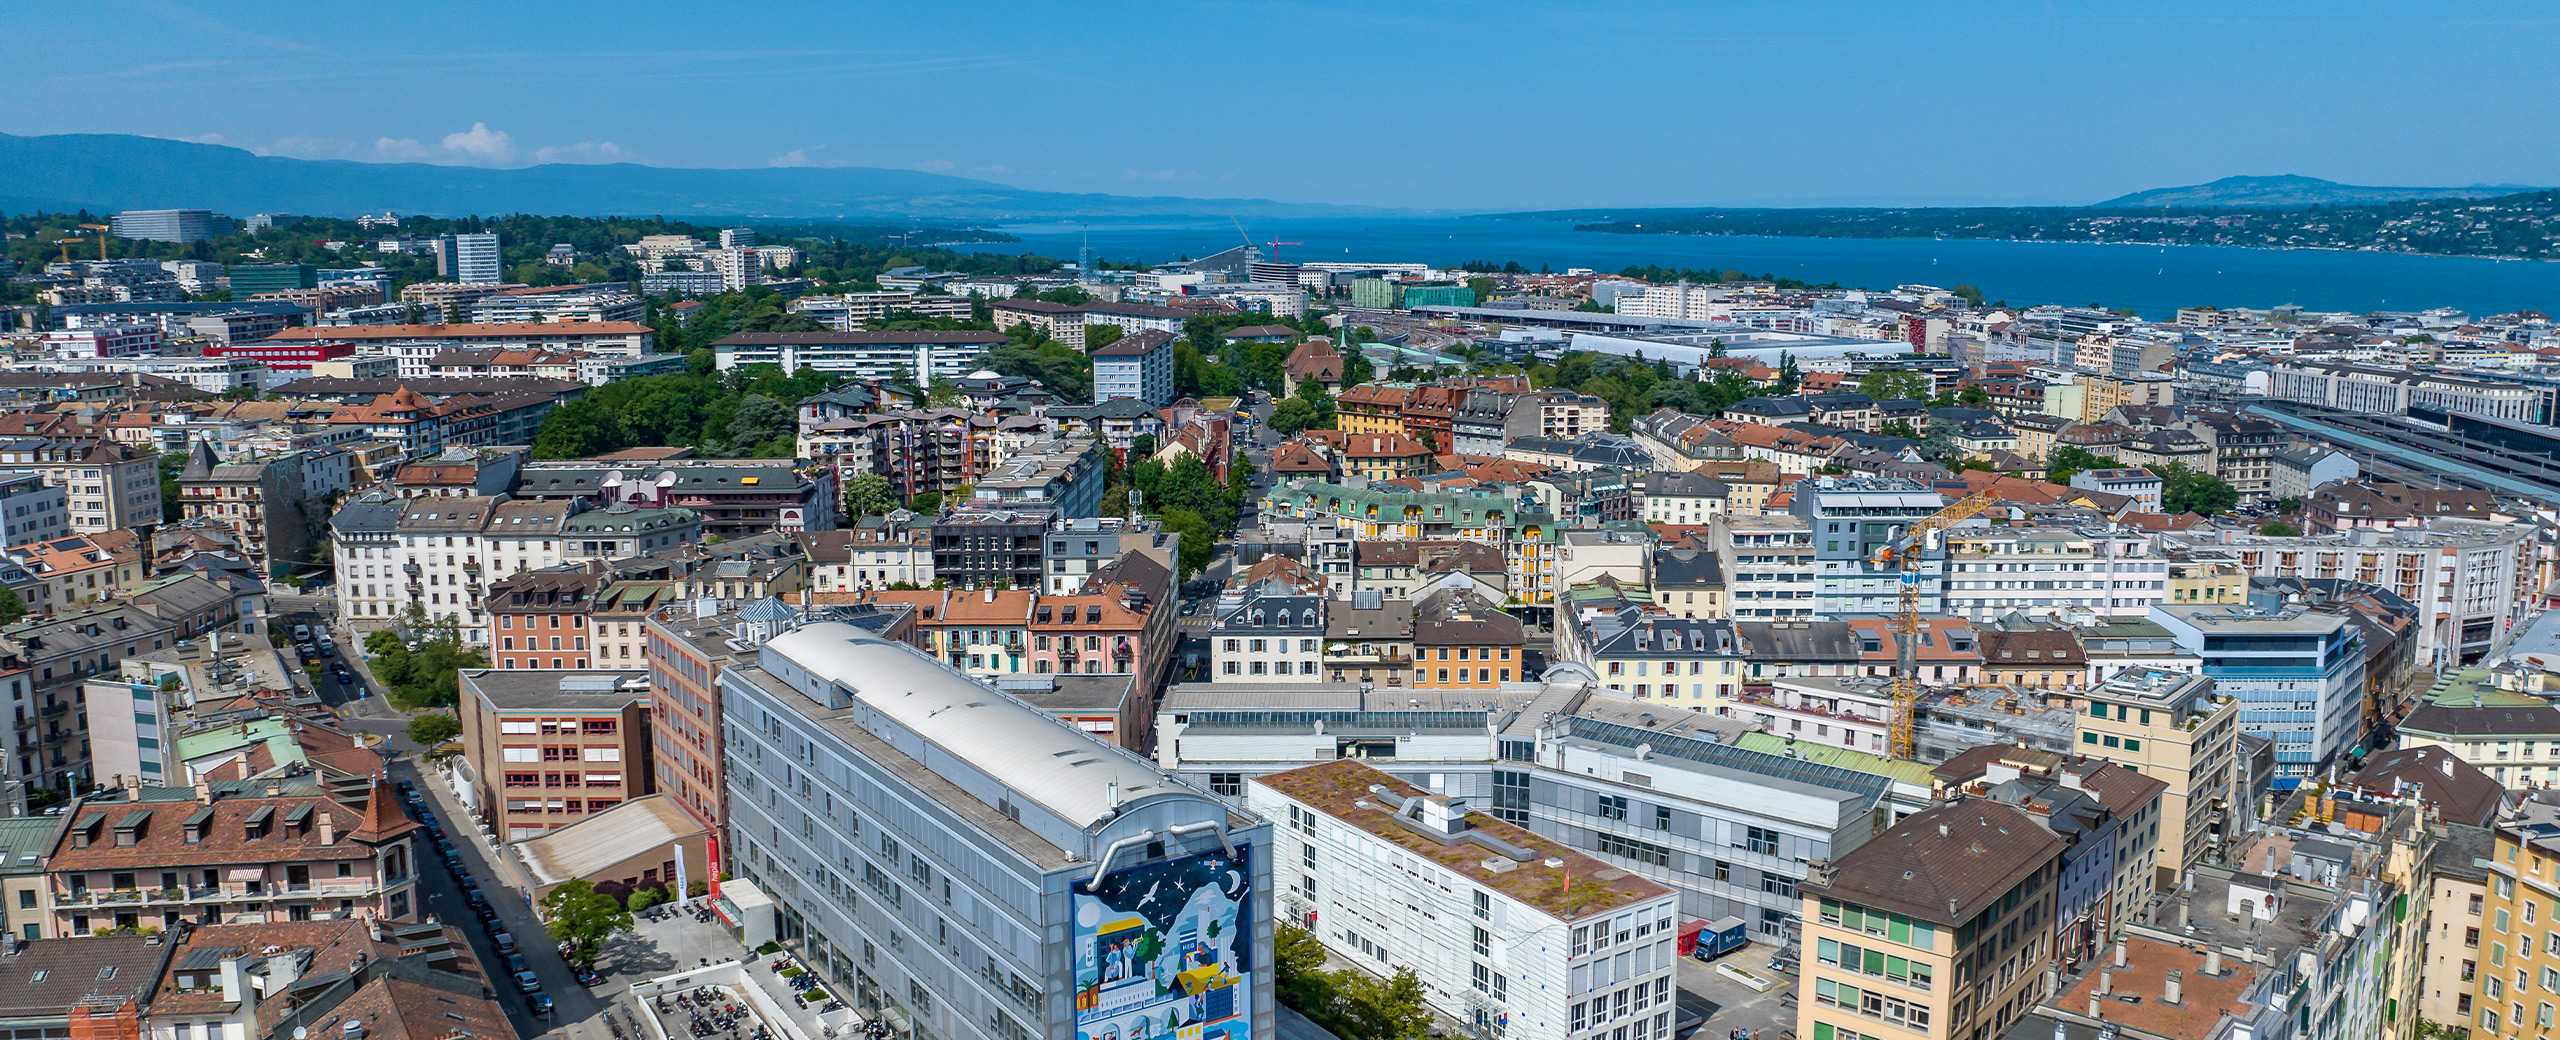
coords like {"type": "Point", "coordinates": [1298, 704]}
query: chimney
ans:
{"type": "Point", "coordinates": [283, 969]}
{"type": "Point", "coordinates": [2119, 953]}
{"type": "Point", "coordinates": [2171, 986]}
{"type": "Point", "coordinates": [2093, 1005]}
{"type": "Point", "coordinates": [2182, 915]}
{"type": "Point", "coordinates": [328, 828]}
{"type": "Point", "coordinates": [2106, 983]}
{"type": "Point", "coordinates": [2213, 962]}
{"type": "Point", "coordinates": [132, 785]}
{"type": "Point", "coordinates": [234, 986]}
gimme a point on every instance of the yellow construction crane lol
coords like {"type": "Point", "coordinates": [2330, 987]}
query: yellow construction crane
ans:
{"type": "Point", "coordinates": [65, 244]}
{"type": "Point", "coordinates": [102, 230]}
{"type": "Point", "coordinates": [1904, 554]}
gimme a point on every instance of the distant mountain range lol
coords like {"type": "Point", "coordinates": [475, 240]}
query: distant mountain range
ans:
{"type": "Point", "coordinates": [2294, 190]}
{"type": "Point", "coordinates": [108, 172]}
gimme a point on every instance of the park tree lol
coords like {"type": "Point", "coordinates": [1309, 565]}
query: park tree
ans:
{"type": "Point", "coordinates": [577, 914]}
{"type": "Point", "coordinates": [2067, 461]}
{"type": "Point", "coordinates": [2184, 490]}
{"type": "Point", "coordinates": [868, 495]}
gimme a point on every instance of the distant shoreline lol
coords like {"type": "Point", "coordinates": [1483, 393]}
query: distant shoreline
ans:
{"type": "Point", "coordinates": [1601, 229]}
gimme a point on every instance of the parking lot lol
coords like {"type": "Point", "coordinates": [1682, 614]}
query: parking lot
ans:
{"type": "Point", "coordinates": [1719, 1004]}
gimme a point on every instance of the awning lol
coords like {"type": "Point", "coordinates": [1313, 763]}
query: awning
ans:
{"type": "Point", "coordinates": [245, 874]}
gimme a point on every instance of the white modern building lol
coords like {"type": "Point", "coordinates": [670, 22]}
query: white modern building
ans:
{"type": "Point", "coordinates": [2051, 572]}
{"type": "Point", "coordinates": [474, 258]}
{"type": "Point", "coordinates": [1512, 933]}
{"type": "Point", "coordinates": [975, 868]}
{"type": "Point", "coordinates": [117, 340]}
{"type": "Point", "coordinates": [163, 225]}
{"type": "Point", "coordinates": [1768, 566]}
{"type": "Point", "coordinates": [739, 269]}
{"type": "Point", "coordinates": [2471, 580]}
{"type": "Point", "coordinates": [1662, 792]}
{"type": "Point", "coordinates": [919, 358]}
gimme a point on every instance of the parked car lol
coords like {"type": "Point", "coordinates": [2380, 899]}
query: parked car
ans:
{"type": "Point", "coordinates": [528, 981]}
{"type": "Point", "coordinates": [589, 978]}
{"type": "Point", "coordinates": [540, 1003]}
{"type": "Point", "coordinates": [328, 644]}
{"type": "Point", "coordinates": [301, 633]}
{"type": "Point", "coordinates": [517, 967]}
{"type": "Point", "coordinates": [506, 942]}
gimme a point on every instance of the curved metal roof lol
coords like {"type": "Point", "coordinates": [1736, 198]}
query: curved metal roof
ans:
{"type": "Point", "coordinates": [1041, 760]}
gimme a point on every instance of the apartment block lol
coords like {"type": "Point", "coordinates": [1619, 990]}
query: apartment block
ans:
{"type": "Point", "coordinates": [2177, 728]}
{"type": "Point", "coordinates": [1937, 929]}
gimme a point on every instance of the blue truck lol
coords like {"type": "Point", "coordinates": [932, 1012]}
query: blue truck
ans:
{"type": "Point", "coordinates": [1719, 937]}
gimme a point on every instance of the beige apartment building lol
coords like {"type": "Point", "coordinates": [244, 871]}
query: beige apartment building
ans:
{"type": "Point", "coordinates": [2175, 728]}
{"type": "Point", "coordinates": [1937, 929]}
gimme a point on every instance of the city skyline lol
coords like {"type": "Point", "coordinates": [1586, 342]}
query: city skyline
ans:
{"type": "Point", "coordinates": [1323, 103]}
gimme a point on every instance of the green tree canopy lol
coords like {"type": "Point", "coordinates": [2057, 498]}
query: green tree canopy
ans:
{"type": "Point", "coordinates": [2184, 490]}
{"type": "Point", "coordinates": [868, 495]}
{"type": "Point", "coordinates": [1894, 384]}
{"type": "Point", "coordinates": [577, 914]}
{"type": "Point", "coordinates": [434, 728]}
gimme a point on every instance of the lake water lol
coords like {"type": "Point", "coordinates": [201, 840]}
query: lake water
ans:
{"type": "Point", "coordinates": [2152, 280]}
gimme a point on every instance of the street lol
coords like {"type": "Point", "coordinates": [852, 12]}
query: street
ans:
{"type": "Point", "coordinates": [359, 701]}
{"type": "Point", "coordinates": [444, 899]}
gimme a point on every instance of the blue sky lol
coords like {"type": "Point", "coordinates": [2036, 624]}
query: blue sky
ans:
{"type": "Point", "coordinates": [1482, 105]}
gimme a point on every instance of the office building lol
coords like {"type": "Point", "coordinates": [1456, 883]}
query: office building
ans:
{"type": "Point", "coordinates": [978, 869]}
{"type": "Point", "coordinates": [2473, 581]}
{"type": "Point", "coordinates": [471, 259]}
{"type": "Point", "coordinates": [1504, 929]}
{"type": "Point", "coordinates": [32, 509]}
{"type": "Point", "coordinates": [2299, 676]}
{"type": "Point", "coordinates": [1664, 792]}
{"type": "Point", "coordinates": [1938, 928]}
{"type": "Point", "coordinates": [549, 747]}
{"type": "Point", "coordinates": [163, 225]}
{"type": "Point", "coordinates": [736, 498]}
{"type": "Point", "coordinates": [1060, 475]}
{"type": "Point", "coordinates": [247, 279]}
